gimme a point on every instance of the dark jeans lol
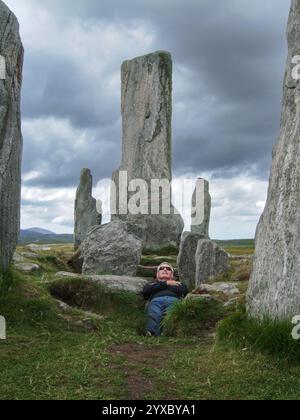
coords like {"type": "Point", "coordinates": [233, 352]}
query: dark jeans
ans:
{"type": "Point", "coordinates": [156, 311]}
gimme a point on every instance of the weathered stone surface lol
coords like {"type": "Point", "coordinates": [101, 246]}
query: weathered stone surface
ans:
{"type": "Point", "coordinates": [114, 283]}
{"type": "Point", "coordinates": [29, 255]}
{"type": "Point", "coordinates": [274, 288]}
{"type": "Point", "coordinates": [201, 206]}
{"type": "Point", "coordinates": [10, 135]}
{"type": "Point", "coordinates": [17, 258]}
{"type": "Point", "coordinates": [228, 289]}
{"type": "Point", "coordinates": [86, 214]}
{"type": "Point", "coordinates": [113, 248]}
{"type": "Point", "coordinates": [27, 267]}
{"type": "Point", "coordinates": [211, 261]}
{"type": "Point", "coordinates": [147, 114]}
{"type": "Point", "coordinates": [186, 259]}
{"type": "Point", "coordinates": [158, 232]}
{"type": "Point", "coordinates": [198, 298]}
{"type": "Point", "coordinates": [146, 154]}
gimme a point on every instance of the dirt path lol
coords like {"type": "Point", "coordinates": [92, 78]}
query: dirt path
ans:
{"type": "Point", "coordinates": [137, 359]}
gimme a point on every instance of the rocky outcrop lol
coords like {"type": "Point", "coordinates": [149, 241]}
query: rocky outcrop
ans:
{"type": "Point", "coordinates": [274, 288]}
{"type": "Point", "coordinates": [114, 248]}
{"type": "Point", "coordinates": [86, 214]}
{"type": "Point", "coordinates": [201, 209]}
{"type": "Point", "coordinates": [146, 152]}
{"type": "Point", "coordinates": [11, 50]}
{"type": "Point", "coordinates": [211, 261]}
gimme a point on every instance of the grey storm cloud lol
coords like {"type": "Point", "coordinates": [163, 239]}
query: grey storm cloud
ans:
{"type": "Point", "coordinates": [57, 86]}
{"type": "Point", "coordinates": [234, 52]}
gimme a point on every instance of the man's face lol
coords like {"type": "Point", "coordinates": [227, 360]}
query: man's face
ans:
{"type": "Point", "coordinates": [164, 273]}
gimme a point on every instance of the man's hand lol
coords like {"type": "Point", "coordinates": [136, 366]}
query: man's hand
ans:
{"type": "Point", "coordinates": [173, 283]}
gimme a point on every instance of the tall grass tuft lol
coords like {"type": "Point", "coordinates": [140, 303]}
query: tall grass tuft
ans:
{"type": "Point", "coordinates": [188, 318]}
{"type": "Point", "coordinates": [269, 336]}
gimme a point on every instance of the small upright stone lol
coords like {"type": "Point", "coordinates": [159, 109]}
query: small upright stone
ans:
{"type": "Point", "coordinates": [86, 214]}
{"type": "Point", "coordinates": [211, 261]}
{"type": "Point", "coordinates": [12, 52]}
{"type": "Point", "coordinates": [201, 208]}
{"type": "Point", "coordinates": [186, 259]}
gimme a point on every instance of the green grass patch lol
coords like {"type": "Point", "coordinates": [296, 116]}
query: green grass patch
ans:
{"type": "Point", "coordinates": [127, 309]}
{"type": "Point", "coordinates": [190, 317]}
{"type": "Point", "coordinates": [269, 336]}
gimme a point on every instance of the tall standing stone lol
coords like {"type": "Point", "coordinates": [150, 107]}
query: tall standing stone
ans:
{"type": "Point", "coordinates": [86, 214]}
{"type": "Point", "coordinates": [146, 151]}
{"type": "Point", "coordinates": [11, 51]}
{"type": "Point", "coordinates": [201, 206]}
{"type": "Point", "coordinates": [275, 281]}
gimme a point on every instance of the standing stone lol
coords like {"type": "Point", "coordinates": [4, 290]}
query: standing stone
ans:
{"type": "Point", "coordinates": [211, 261]}
{"type": "Point", "coordinates": [12, 52]}
{"type": "Point", "coordinates": [146, 152]}
{"type": "Point", "coordinates": [201, 206]}
{"type": "Point", "coordinates": [274, 288]}
{"type": "Point", "coordinates": [86, 214]}
{"type": "Point", "coordinates": [114, 248]}
{"type": "Point", "coordinates": [147, 114]}
{"type": "Point", "coordinates": [186, 259]}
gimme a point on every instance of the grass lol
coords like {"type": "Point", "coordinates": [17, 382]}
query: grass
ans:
{"type": "Point", "coordinates": [273, 337]}
{"type": "Point", "coordinates": [189, 318]}
{"type": "Point", "coordinates": [6, 281]}
{"type": "Point", "coordinates": [55, 354]}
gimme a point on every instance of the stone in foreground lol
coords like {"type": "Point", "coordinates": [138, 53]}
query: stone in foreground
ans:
{"type": "Point", "coordinates": [114, 248]}
{"type": "Point", "coordinates": [274, 288]}
{"type": "Point", "coordinates": [85, 214]}
{"type": "Point", "coordinates": [27, 267]}
{"type": "Point", "coordinates": [211, 261]}
{"type": "Point", "coordinates": [10, 134]}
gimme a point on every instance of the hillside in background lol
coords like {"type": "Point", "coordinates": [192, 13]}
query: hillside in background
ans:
{"type": "Point", "coordinates": [43, 236]}
{"type": "Point", "coordinates": [240, 243]}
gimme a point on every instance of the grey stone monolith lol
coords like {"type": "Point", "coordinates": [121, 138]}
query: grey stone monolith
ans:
{"type": "Point", "coordinates": [86, 214]}
{"type": "Point", "coordinates": [11, 63]}
{"type": "Point", "coordinates": [146, 150]}
{"type": "Point", "coordinates": [274, 288]}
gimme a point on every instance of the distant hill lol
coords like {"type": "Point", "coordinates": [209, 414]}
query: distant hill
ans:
{"type": "Point", "coordinates": [41, 231]}
{"type": "Point", "coordinates": [43, 236]}
{"type": "Point", "coordinates": [239, 243]}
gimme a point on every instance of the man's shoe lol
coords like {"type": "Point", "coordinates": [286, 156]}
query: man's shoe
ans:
{"type": "Point", "coordinates": [149, 334]}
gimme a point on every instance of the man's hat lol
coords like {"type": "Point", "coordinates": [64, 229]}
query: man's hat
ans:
{"type": "Point", "coordinates": [165, 264]}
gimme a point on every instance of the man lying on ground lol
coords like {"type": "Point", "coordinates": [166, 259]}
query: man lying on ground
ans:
{"type": "Point", "coordinates": [162, 294]}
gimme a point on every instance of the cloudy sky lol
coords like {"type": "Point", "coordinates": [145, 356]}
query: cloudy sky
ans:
{"type": "Point", "coordinates": [229, 58]}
